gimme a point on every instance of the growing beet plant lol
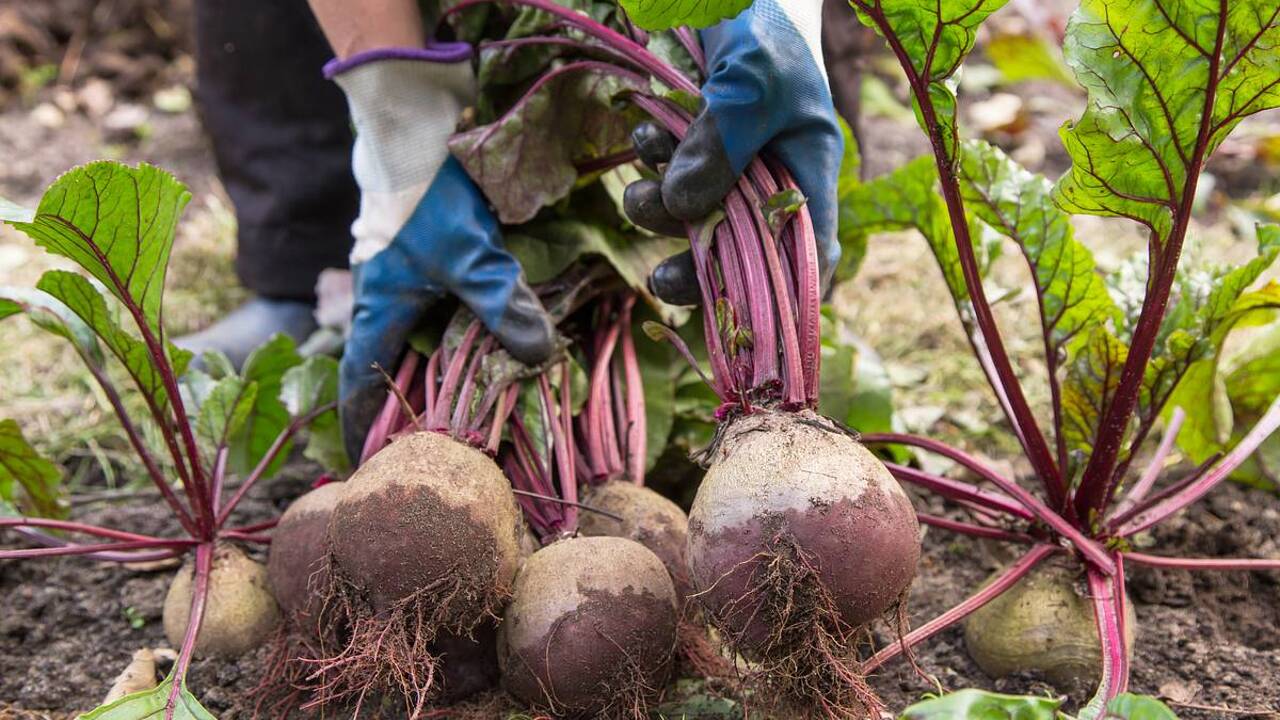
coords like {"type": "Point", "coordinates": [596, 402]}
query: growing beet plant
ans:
{"type": "Point", "coordinates": [209, 426]}
{"type": "Point", "coordinates": [1166, 84]}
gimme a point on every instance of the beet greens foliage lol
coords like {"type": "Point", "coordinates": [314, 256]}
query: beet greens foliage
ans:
{"type": "Point", "coordinates": [202, 428]}
{"type": "Point", "coordinates": [1166, 83]}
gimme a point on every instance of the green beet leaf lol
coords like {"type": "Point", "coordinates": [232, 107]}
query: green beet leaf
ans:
{"type": "Point", "coordinates": [1252, 385]}
{"type": "Point", "coordinates": [1018, 204]}
{"type": "Point", "coordinates": [1208, 304]}
{"type": "Point", "coordinates": [972, 704]}
{"type": "Point", "coordinates": [48, 314]}
{"type": "Point", "coordinates": [81, 296]}
{"type": "Point", "coordinates": [527, 158]}
{"type": "Point", "coordinates": [1073, 298]}
{"type": "Point", "coordinates": [1127, 706]}
{"type": "Point", "coordinates": [305, 388]}
{"type": "Point", "coordinates": [1167, 82]}
{"type": "Point", "coordinates": [152, 703]}
{"type": "Point", "coordinates": [22, 467]}
{"type": "Point", "coordinates": [931, 39]}
{"type": "Point", "coordinates": [117, 223]}
{"type": "Point", "coordinates": [223, 413]}
{"type": "Point", "coordinates": [666, 14]}
{"type": "Point", "coordinates": [265, 367]}
{"type": "Point", "coordinates": [1093, 375]}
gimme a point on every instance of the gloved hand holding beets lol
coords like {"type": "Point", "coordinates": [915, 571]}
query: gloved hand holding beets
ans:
{"type": "Point", "coordinates": [766, 90]}
{"type": "Point", "coordinates": [425, 230]}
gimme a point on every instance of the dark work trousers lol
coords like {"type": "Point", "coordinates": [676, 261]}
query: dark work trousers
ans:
{"type": "Point", "coordinates": [281, 138]}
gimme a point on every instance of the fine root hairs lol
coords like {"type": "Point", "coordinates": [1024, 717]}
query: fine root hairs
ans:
{"type": "Point", "coordinates": [808, 660]}
{"type": "Point", "coordinates": [390, 653]}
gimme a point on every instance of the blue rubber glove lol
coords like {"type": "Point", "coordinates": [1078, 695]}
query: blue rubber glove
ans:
{"type": "Point", "coordinates": [424, 228]}
{"type": "Point", "coordinates": [766, 89]}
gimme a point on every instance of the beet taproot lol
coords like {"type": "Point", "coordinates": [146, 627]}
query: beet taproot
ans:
{"type": "Point", "coordinates": [590, 630]}
{"type": "Point", "coordinates": [798, 537]}
{"type": "Point", "coordinates": [646, 517]}
{"type": "Point", "coordinates": [239, 614]}
{"type": "Point", "coordinates": [1043, 624]}
{"type": "Point", "coordinates": [423, 545]}
{"type": "Point", "coordinates": [296, 567]}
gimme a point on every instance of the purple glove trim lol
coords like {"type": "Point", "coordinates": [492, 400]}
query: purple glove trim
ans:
{"type": "Point", "coordinates": [447, 52]}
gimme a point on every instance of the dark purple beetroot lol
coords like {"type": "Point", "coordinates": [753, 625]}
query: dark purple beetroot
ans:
{"type": "Point", "coordinates": [799, 536]}
{"type": "Point", "coordinates": [424, 541]}
{"type": "Point", "coordinates": [648, 518]}
{"type": "Point", "coordinates": [590, 630]}
{"type": "Point", "coordinates": [296, 563]}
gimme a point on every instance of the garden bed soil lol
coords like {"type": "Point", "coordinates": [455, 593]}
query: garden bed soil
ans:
{"type": "Point", "coordinates": [1210, 640]}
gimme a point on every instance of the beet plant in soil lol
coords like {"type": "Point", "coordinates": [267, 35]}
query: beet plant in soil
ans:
{"type": "Point", "coordinates": [591, 627]}
{"type": "Point", "coordinates": [1165, 86]}
{"type": "Point", "coordinates": [201, 430]}
{"type": "Point", "coordinates": [790, 495]}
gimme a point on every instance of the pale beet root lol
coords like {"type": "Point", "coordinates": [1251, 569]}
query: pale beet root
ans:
{"type": "Point", "coordinates": [646, 517]}
{"type": "Point", "coordinates": [799, 536]}
{"type": "Point", "coordinates": [239, 613]}
{"type": "Point", "coordinates": [296, 563]}
{"type": "Point", "coordinates": [590, 630]}
{"type": "Point", "coordinates": [776, 478]}
{"type": "Point", "coordinates": [424, 542]}
{"type": "Point", "coordinates": [1043, 624]}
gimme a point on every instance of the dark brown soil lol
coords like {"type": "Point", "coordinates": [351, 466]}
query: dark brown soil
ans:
{"type": "Point", "coordinates": [64, 632]}
{"type": "Point", "coordinates": [67, 625]}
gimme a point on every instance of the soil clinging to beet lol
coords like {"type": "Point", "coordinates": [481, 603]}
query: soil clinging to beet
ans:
{"type": "Point", "coordinates": [590, 630]}
{"type": "Point", "coordinates": [798, 538]}
{"type": "Point", "coordinates": [425, 541]}
{"type": "Point", "coordinates": [782, 482]}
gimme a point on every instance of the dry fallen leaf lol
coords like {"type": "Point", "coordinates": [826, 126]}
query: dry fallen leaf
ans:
{"type": "Point", "coordinates": [138, 675]}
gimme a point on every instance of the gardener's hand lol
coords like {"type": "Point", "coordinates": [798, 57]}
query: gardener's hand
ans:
{"type": "Point", "coordinates": [424, 229]}
{"type": "Point", "coordinates": [766, 89]}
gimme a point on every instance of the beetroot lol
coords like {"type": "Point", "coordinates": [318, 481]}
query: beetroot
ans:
{"type": "Point", "coordinates": [425, 540]}
{"type": "Point", "coordinates": [590, 629]}
{"type": "Point", "coordinates": [296, 564]}
{"type": "Point", "coordinates": [640, 514]}
{"type": "Point", "coordinates": [240, 611]}
{"type": "Point", "coordinates": [798, 537]}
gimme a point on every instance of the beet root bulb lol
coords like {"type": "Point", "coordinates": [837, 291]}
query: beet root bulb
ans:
{"type": "Point", "coordinates": [296, 564]}
{"type": "Point", "coordinates": [1043, 624]}
{"type": "Point", "coordinates": [423, 545]}
{"type": "Point", "coordinates": [646, 517]}
{"type": "Point", "coordinates": [591, 629]}
{"type": "Point", "coordinates": [798, 537]}
{"type": "Point", "coordinates": [239, 612]}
